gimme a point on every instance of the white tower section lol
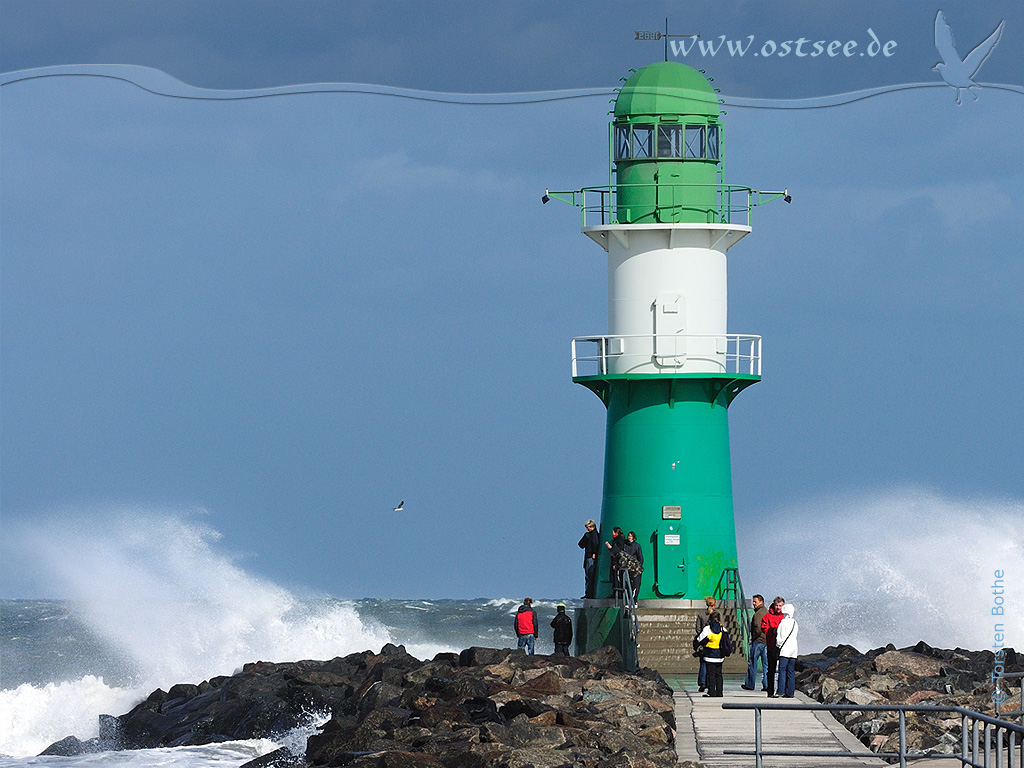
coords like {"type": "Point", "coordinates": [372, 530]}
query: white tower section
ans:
{"type": "Point", "coordinates": [667, 296]}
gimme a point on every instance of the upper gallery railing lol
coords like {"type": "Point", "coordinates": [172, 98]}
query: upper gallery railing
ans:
{"type": "Point", "coordinates": [666, 203]}
{"type": "Point", "coordinates": [667, 353]}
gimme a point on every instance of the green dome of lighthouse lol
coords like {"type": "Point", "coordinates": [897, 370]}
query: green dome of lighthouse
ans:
{"type": "Point", "coordinates": [666, 88]}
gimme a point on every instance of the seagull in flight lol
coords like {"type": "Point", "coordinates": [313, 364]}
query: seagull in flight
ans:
{"type": "Point", "coordinates": [955, 71]}
{"type": "Point", "coordinates": [399, 507]}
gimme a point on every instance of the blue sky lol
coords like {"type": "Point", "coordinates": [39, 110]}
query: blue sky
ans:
{"type": "Point", "coordinates": [281, 316]}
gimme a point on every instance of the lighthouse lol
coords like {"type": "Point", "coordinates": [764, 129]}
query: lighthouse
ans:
{"type": "Point", "coordinates": [668, 369]}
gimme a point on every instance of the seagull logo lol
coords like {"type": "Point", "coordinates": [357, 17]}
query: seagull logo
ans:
{"type": "Point", "coordinates": [957, 72]}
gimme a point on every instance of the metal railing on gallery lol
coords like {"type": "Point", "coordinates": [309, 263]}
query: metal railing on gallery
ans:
{"type": "Point", "coordinates": [670, 353]}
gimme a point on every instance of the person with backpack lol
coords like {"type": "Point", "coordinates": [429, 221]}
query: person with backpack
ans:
{"type": "Point", "coordinates": [526, 626]}
{"type": "Point", "coordinates": [562, 625]}
{"type": "Point", "coordinates": [698, 626]}
{"type": "Point", "coordinates": [717, 646]}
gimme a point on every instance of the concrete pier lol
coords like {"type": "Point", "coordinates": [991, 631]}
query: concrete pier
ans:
{"type": "Point", "coordinates": [705, 730]}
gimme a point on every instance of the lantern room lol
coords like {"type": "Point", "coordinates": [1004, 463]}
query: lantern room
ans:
{"type": "Point", "coordinates": [666, 147]}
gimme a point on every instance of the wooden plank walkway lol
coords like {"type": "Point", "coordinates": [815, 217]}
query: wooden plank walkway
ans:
{"type": "Point", "coordinates": [705, 730]}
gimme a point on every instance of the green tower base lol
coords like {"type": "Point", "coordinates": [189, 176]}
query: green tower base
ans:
{"type": "Point", "coordinates": [667, 477]}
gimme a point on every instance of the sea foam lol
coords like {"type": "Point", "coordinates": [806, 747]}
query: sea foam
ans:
{"type": "Point", "coordinates": [893, 566]}
{"type": "Point", "coordinates": [154, 587]}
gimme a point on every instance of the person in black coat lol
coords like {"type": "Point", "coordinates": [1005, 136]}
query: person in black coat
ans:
{"type": "Point", "coordinates": [615, 545]}
{"type": "Point", "coordinates": [562, 625]}
{"type": "Point", "coordinates": [633, 549]}
{"type": "Point", "coordinates": [590, 543]}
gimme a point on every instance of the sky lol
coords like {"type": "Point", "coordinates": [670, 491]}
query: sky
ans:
{"type": "Point", "coordinates": [278, 317]}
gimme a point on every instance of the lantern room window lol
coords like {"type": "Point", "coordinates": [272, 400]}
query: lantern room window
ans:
{"type": "Point", "coordinates": [670, 141]}
{"type": "Point", "coordinates": [695, 141]}
{"type": "Point", "coordinates": [667, 140]}
{"type": "Point", "coordinates": [622, 142]}
{"type": "Point", "coordinates": [643, 141]}
{"type": "Point", "coordinates": [712, 142]}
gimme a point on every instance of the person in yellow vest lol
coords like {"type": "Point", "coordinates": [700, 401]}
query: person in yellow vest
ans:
{"type": "Point", "coordinates": [716, 645]}
{"type": "Point", "coordinates": [698, 626]}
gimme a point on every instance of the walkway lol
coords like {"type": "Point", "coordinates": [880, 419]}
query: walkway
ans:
{"type": "Point", "coordinates": [705, 730]}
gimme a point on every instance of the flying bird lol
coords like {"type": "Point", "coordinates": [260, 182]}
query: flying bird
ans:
{"type": "Point", "coordinates": [399, 507]}
{"type": "Point", "coordinates": [955, 71]}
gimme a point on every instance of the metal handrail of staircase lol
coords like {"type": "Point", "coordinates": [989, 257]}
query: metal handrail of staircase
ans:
{"type": "Point", "coordinates": [631, 625]}
{"type": "Point", "coordinates": [732, 589]}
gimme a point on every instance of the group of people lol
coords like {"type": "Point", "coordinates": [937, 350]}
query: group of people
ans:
{"type": "Point", "coordinates": [773, 644]}
{"type": "Point", "coordinates": [627, 556]}
{"type": "Point", "coordinates": [528, 629]}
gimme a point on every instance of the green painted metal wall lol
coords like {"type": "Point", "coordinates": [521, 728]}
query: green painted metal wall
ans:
{"type": "Point", "coordinates": [667, 445]}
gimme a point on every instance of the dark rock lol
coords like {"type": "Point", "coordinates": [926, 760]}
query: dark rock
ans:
{"type": "Point", "coordinates": [908, 663]}
{"type": "Point", "coordinates": [482, 710]}
{"type": "Point", "coordinates": [182, 691]}
{"type": "Point", "coordinates": [606, 656]}
{"type": "Point", "coordinates": [484, 707]}
{"type": "Point", "coordinates": [483, 657]}
{"type": "Point", "coordinates": [110, 732]}
{"type": "Point", "coordinates": [66, 747]}
{"type": "Point", "coordinates": [529, 707]}
{"type": "Point", "coordinates": [279, 758]}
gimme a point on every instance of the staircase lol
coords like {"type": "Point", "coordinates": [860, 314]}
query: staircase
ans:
{"type": "Point", "coordinates": [666, 639]}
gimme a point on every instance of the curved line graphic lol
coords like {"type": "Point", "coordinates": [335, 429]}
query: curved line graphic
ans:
{"type": "Point", "coordinates": [160, 83]}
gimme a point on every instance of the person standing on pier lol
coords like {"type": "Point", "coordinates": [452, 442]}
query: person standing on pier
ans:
{"type": "Point", "coordinates": [562, 625]}
{"type": "Point", "coordinates": [636, 569]}
{"type": "Point", "coordinates": [786, 636]}
{"type": "Point", "coordinates": [758, 647]}
{"type": "Point", "coordinates": [770, 625]}
{"type": "Point", "coordinates": [527, 628]}
{"type": "Point", "coordinates": [590, 543]}
{"type": "Point", "coordinates": [716, 645]}
{"type": "Point", "coordinates": [698, 627]}
{"type": "Point", "coordinates": [615, 545]}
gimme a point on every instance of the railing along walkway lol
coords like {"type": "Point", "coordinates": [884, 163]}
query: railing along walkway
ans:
{"type": "Point", "coordinates": [705, 731]}
{"type": "Point", "coordinates": [985, 741]}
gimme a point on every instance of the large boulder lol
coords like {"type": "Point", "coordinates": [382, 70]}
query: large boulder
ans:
{"type": "Point", "coordinates": [908, 663]}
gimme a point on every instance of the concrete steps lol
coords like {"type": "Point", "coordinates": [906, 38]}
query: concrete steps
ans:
{"type": "Point", "coordinates": [666, 640]}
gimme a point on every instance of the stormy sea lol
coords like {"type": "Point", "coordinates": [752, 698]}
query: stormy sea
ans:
{"type": "Point", "coordinates": [147, 612]}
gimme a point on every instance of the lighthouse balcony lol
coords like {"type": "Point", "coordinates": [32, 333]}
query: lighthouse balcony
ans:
{"type": "Point", "coordinates": [666, 354]}
{"type": "Point", "coordinates": [666, 203]}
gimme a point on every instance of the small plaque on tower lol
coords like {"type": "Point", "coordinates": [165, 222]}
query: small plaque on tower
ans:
{"type": "Point", "coordinates": [671, 513]}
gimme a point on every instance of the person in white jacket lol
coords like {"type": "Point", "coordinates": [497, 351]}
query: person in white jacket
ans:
{"type": "Point", "coordinates": [786, 637]}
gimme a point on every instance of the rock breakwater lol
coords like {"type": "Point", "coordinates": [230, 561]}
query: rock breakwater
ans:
{"type": "Point", "coordinates": [482, 707]}
{"type": "Point", "coordinates": [918, 674]}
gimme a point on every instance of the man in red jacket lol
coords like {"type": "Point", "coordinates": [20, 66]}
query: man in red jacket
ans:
{"type": "Point", "coordinates": [527, 628]}
{"type": "Point", "coordinates": [770, 626]}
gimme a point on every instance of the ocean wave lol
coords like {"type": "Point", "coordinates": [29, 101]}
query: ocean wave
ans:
{"type": "Point", "coordinates": [891, 566]}
{"type": "Point", "coordinates": [154, 588]}
{"type": "Point", "coordinates": [33, 717]}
